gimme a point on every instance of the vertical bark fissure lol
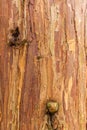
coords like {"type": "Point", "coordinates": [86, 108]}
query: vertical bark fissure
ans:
{"type": "Point", "coordinates": [85, 48]}
{"type": "Point", "coordinates": [77, 42]}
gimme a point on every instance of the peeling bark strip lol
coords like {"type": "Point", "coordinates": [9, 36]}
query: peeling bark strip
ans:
{"type": "Point", "coordinates": [16, 78]}
{"type": "Point", "coordinates": [53, 67]}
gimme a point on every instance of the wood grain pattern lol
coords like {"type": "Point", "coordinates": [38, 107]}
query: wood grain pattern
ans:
{"type": "Point", "coordinates": [51, 66]}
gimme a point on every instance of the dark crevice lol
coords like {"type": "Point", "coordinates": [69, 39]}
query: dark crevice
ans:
{"type": "Point", "coordinates": [14, 38]}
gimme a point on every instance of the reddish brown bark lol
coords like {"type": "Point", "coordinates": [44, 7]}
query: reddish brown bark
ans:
{"type": "Point", "coordinates": [51, 64]}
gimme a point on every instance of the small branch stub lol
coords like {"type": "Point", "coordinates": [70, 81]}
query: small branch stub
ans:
{"type": "Point", "coordinates": [52, 108]}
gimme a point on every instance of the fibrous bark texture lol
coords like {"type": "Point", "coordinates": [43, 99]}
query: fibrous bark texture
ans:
{"type": "Point", "coordinates": [49, 65]}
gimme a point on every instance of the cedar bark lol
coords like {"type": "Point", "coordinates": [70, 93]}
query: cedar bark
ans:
{"type": "Point", "coordinates": [51, 66]}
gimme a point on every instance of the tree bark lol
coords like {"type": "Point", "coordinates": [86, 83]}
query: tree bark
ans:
{"type": "Point", "coordinates": [49, 65]}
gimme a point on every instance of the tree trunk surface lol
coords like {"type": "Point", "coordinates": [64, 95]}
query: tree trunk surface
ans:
{"type": "Point", "coordinates": [50, 65]}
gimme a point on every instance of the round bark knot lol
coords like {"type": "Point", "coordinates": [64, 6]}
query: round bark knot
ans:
{"type": "Point", "coordinates": [52, 107]}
